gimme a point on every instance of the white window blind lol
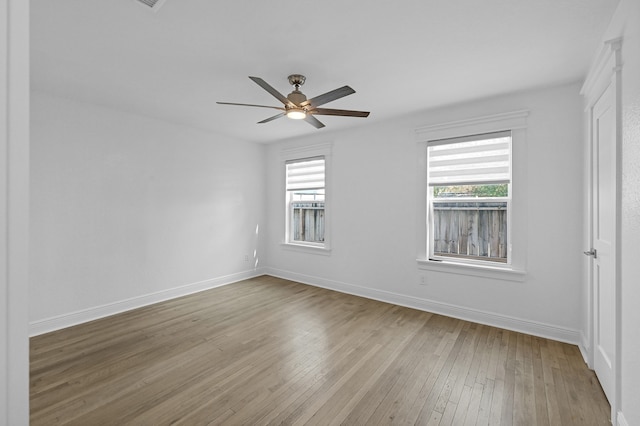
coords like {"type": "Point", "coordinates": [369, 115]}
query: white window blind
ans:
{"type": "Point", "coordinates": [305, 174]}
{"type": "Point", "coordinates": [478, 159]}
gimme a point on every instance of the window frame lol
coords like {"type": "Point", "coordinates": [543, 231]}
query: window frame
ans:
{"type": "Point", "coordinates": [515, 269]}
{"type": "Point", "coordinates": [432, 201]}
{"type": "Point", "coordinates": [299, 154]}
{"type": "Point", "coordinates": [291, 207]}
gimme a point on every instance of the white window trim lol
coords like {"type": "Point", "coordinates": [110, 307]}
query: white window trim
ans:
{"type": "Point", "coordinates": [300, 153]}
{"type": "Point", "coordinates": [506, 272]}
{"type": "Point", "coordinates": [515, 121]}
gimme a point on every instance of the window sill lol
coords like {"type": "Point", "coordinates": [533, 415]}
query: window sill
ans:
{"type": "Point", "coordinates": [304, 248]}
{"type": "Point", "coordinates": [493, 272]}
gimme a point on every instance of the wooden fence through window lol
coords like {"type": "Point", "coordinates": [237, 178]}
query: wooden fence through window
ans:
{"type": "Point", "coordinates": [475, 230]}
{"type": "Point", "coordinates": [308, 221]}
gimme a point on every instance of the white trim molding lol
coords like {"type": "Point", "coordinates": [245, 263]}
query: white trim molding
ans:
{"type": "Point", "coordinates": [473, 126]}
{"type": "Point", "coordinates": [605, 72]}
{"type": "Point", "coordinates": [14, 212]}
{"type": "Point", "coordinates": [496, 273]}
{"type": "Point", "coordinates": [622, 421]}
{"type": "Point", "coordinates": [74, 318]}
{"type": "Point", "coordinates": [605, 64]}
{"type": "Point", "coordinates": [315, 150]}
{"type": "Point", "coordinates": [534, 328]}
{"type": "Point", "coordinates": [584, 347]}
{"type": "Point", "coordinates": [303, 248]}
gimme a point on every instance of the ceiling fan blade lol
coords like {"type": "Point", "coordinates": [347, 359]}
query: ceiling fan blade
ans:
{"type": "Point", "coordinates": [250, 105]}
{"type": "Point", "coordinates": [266, 120]}
{"type": "Point", "coordinates": [314, 121]}
{"type": "Point", "coordinates": [266, 86]}
{"type": "Point", "coordinates": [328, 97]}
{"type": "Point", "coordinates": [340, 112]}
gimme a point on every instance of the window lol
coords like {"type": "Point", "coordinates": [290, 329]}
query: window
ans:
{"type": "Point", "coordinates": [305, 195]}
{"type": "Point", "coordinates": [502, 190]}
{"type": "Point", "coordinates": [469, 198]}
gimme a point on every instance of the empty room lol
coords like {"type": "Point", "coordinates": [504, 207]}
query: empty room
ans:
{"type": "Point", "coordinates": [298, 213]}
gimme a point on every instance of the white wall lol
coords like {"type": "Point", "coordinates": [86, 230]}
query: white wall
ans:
{"type": "Point", "coordinates": [129, 210]}
{"type": "Point", "coordinates": [374, 248]}
{"type": "Point", "coordinates": [626, 24]}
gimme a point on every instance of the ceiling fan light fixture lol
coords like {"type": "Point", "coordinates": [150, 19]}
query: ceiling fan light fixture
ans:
{"type": "Point", "coordinates": [296, 113]}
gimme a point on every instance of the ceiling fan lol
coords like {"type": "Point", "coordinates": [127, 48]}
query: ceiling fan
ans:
{"type": "Point", "coordinates": [298, 107]}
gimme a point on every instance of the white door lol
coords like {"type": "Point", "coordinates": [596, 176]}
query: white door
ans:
{"type": "Point", "coordinates": [603, 234]}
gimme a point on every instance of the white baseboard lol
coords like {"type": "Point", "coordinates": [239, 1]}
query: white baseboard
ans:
{"type": "Point", "coordinates": [74, 318]}
{"type": "Point", "coordinates": [468, 314]}
{"type": "Point", "coordinates": [487, 318]}
{"type": "Point", "coordinates": [622, 421]}
{"type": "Point", "coordinates": [585, 349]}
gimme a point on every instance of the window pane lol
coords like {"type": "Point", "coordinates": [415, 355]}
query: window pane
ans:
{"type": "Point", "coordinates": [470, 229]}
{"type": "Point", "coordinates": [307, 216]}
{"type": "Point", "coordinates": [305, 191]}
{"type": "Point", "coordinates": [500, 190]}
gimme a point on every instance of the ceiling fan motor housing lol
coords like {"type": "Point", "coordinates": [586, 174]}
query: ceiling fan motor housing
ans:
{"type": "Point", "coordinates": [297, 97]}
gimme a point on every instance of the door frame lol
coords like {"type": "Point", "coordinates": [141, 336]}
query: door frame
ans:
{"type": "Point", "coordinates": [605, 71]}
{"type": "Point", "coordinates": [14, 212]}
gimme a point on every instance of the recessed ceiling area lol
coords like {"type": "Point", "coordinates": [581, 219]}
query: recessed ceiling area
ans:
{"type": "Point", "coordinates": [175, 62]}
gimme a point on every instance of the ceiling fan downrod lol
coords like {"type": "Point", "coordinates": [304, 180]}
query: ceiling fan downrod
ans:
{"type": "Point", "coordinates": [296, 97]}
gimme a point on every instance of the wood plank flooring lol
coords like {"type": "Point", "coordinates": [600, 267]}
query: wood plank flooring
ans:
{"type": "Point", "coordinates": [271, 351]}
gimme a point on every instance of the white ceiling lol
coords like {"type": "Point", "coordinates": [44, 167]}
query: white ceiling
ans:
{"type": "Point", "coordinates": [399, 56]}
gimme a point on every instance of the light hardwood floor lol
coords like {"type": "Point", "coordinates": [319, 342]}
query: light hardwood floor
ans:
{"type": "Point", "coordinates": [271, 351]}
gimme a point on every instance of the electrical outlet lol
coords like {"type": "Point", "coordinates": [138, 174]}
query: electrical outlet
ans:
{"type": "Point", "coordinates": [246, 257]}
{"type": "Point", "coordinates": [423, 281]}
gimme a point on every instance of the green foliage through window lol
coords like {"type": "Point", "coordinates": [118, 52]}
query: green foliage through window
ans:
{"type": "Point", "coordinates": [500, 190]}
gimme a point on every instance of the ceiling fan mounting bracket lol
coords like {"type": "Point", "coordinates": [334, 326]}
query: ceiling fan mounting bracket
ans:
{"type": "Point", "coordinates": [297, 80]}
